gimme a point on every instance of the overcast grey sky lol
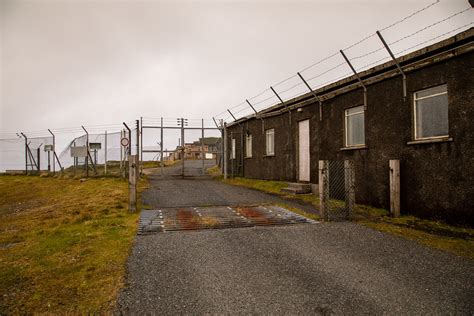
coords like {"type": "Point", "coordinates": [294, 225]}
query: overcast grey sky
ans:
{"type": "Point", "coordinates": [69, 63]}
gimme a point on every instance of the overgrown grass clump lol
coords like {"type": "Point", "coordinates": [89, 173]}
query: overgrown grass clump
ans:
{"type": "Point", "coordinates": [63, 244]}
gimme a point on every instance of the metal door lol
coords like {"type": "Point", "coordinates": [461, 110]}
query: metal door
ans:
{"type": "Point", "coordinates": [303, 151]}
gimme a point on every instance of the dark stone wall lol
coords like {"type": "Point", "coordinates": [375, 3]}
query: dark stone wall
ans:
{"type": "Point", "coordinates": [437, 179]}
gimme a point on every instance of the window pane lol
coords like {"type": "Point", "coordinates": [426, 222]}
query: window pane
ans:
{"type": "Point", "coordinates": [354, 110]}
{"type": "Point", "coordinates": [270, 141]}
{"type": "Point", "coordinates": [431, 91]}
{"type": "Point", "coordinates": [432, 117]}
{"type": "Point", "coordinates": [248, 150]}
{"type": "Point", "coordinates": [233, 148]}
{"type": "Point", "coordinates": [355, 131]}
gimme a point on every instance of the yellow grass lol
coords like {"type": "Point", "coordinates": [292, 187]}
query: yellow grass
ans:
{"type": "Point", "coordinates": [63, 244]}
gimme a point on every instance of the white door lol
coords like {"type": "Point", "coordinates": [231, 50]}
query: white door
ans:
{"type": "Point", "coordinates": [303, 148]}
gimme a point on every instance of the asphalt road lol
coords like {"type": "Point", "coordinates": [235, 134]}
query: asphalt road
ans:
{"type": "Point", "coordinates": [330, 268]}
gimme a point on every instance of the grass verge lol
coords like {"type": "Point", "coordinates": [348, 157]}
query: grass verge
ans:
{"type": "Point", "coordinates": [63, 244]}
{"type": "Point", "coordinates": [435, 234]}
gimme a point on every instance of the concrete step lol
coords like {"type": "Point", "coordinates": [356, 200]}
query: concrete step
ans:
{"type": "Point", "coordinates": [297, 188]}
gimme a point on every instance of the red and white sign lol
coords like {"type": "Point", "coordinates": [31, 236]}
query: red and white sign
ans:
{"type": "Point", "coordinates": [124, 142]}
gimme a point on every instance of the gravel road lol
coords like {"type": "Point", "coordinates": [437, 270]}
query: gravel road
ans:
{"type": "Point", "coordinates": [330, 268]}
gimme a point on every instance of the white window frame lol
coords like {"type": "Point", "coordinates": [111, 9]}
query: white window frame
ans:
{"type": "Point", "coordinates": [248, 146]}
{"type": "Point", "coordinates": [415, 99]}
{"type": "Point", "coordinates": [267, 133]}
{"type": "Point", "coordinates": [232, 154]}
{"type": "Point", "coordinates": [346, 130]}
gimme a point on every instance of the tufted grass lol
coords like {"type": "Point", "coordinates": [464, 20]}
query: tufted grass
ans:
{"type": "Point", "coordinates": [63, 244]}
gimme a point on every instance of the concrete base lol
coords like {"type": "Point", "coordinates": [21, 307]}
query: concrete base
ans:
{"type": "Point", "coordinates": [297, 188]}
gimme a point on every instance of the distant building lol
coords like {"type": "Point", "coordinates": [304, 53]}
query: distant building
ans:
{"type": "Point", "coordinates": [194, 150]}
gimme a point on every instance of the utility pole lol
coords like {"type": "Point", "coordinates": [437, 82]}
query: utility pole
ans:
{"type": "Point", "coordinates": [161, 147]}
{"type": "Point", "coordinates": [141, 145]}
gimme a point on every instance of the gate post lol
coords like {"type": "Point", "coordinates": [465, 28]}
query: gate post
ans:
{"type": "Point", "coordinates": [349, 182]}
{"type": "Point", "coordinates": [395, 187]}
{"type": "Point", "coordinates": [323, 189]}
{"type": "Point", "coordinates": [225, 151]}
{"type": "Point", "coordinates": [202, 147]}
{"type": "Point", "coordinates": [132, 182]}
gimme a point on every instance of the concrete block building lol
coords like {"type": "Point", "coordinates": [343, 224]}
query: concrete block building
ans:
{"type": "Point", "coordinates": [430, 130]}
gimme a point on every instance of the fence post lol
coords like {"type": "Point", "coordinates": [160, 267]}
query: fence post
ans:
{"type": "Point", "coordinates": [395, 187]}
{"type": "Point", "coordinates": [323, 189]}
{"type": "Point", "coordinates": [202, 147]}
{"type": "Point", "coordinates": [349, 181]}
{"type": "Point", "coordinates": [225, 151]}
{"type": "Point", "coordinates": [132, 182]}
{"type": "Point", "coordinates": [38, 152]}
{"type": "Point", "coordinates": [137, 124]}
{"type": "Point", "coordinates": [105, 154]}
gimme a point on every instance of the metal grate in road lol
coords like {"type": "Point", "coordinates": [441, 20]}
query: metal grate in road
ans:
{"type": "Point", "coordinates": [217, 217]}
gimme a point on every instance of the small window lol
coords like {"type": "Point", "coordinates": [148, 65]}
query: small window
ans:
{"type": "Point", "coordinates": [354, 127]}
{"type": "Point", "coordinates": [233, 149]}
{"type": "Point", "coordinates": [431, 113]}
{"type": "Point", "coordinates": [248, 146]}
{"type": "Point", "coordinates": [270, 142]}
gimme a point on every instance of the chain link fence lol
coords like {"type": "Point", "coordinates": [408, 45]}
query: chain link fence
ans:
{"type": "Point", "coordinates": [337, 189]}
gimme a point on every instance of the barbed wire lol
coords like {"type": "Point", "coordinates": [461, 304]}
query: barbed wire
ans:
{"type": "Point", "coordinates": [410, 16]}
{"type": "Point", "coordinates": [434, 38]}
{"type": "Point", "coordinates": [367, 53]}
{"type": "Point", "coordinates": [430, 26]}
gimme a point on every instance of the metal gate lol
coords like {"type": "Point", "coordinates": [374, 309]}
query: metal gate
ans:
{"type": "Point", "coordinates": [188, 146]}
{"type": "Point", "coordinates": [336, 189]}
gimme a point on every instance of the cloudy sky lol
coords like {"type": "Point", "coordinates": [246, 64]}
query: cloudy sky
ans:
{"type": "Point", "coordinates": [71, 63]}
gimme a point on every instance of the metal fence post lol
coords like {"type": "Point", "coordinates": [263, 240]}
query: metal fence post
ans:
{"type": "Point", "coordinates": [395, 187]}
{"type": "Point", "coordinates": [54, 150]}
{"type": "Point", "coordinates": [105, 154]}
{"type": "Point", "coordinates": [323, 189]}
{"type": "Point", "coordinates": [137, 123]}
{"type": "Point", "coordinates": [161, 148]}
{"type": "Point", "coordinates": [132, 182]}
{"type": "Point", "coordinates": [349, 182]}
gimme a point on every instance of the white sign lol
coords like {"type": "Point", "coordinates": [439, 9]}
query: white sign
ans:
{"type": "Point", "coordinates": [124, 142]}
{"type": "Point", "coordinates": [79, 151]}
{"type": "Point", "coordinates": [95, 146]}
{"type": "Point", "coordinates": [48, 148]}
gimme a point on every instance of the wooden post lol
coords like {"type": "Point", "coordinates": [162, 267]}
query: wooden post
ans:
{"type": "Point", "coordinates": [323, 189]}
{"type": "Point", "coordinates": [225, 151]}
{"type": "Point", "coordinates": [395, 187]}
{"type": "Point", "coordinates": [132, 182]}
{"type": "Point", "coordinates": [349, 181]}
{"type": "Point", "coordinates": [202, 147]}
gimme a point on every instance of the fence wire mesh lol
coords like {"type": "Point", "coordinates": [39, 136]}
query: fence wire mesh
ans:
{"type": "Point", "coordinates": [338, 193]}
